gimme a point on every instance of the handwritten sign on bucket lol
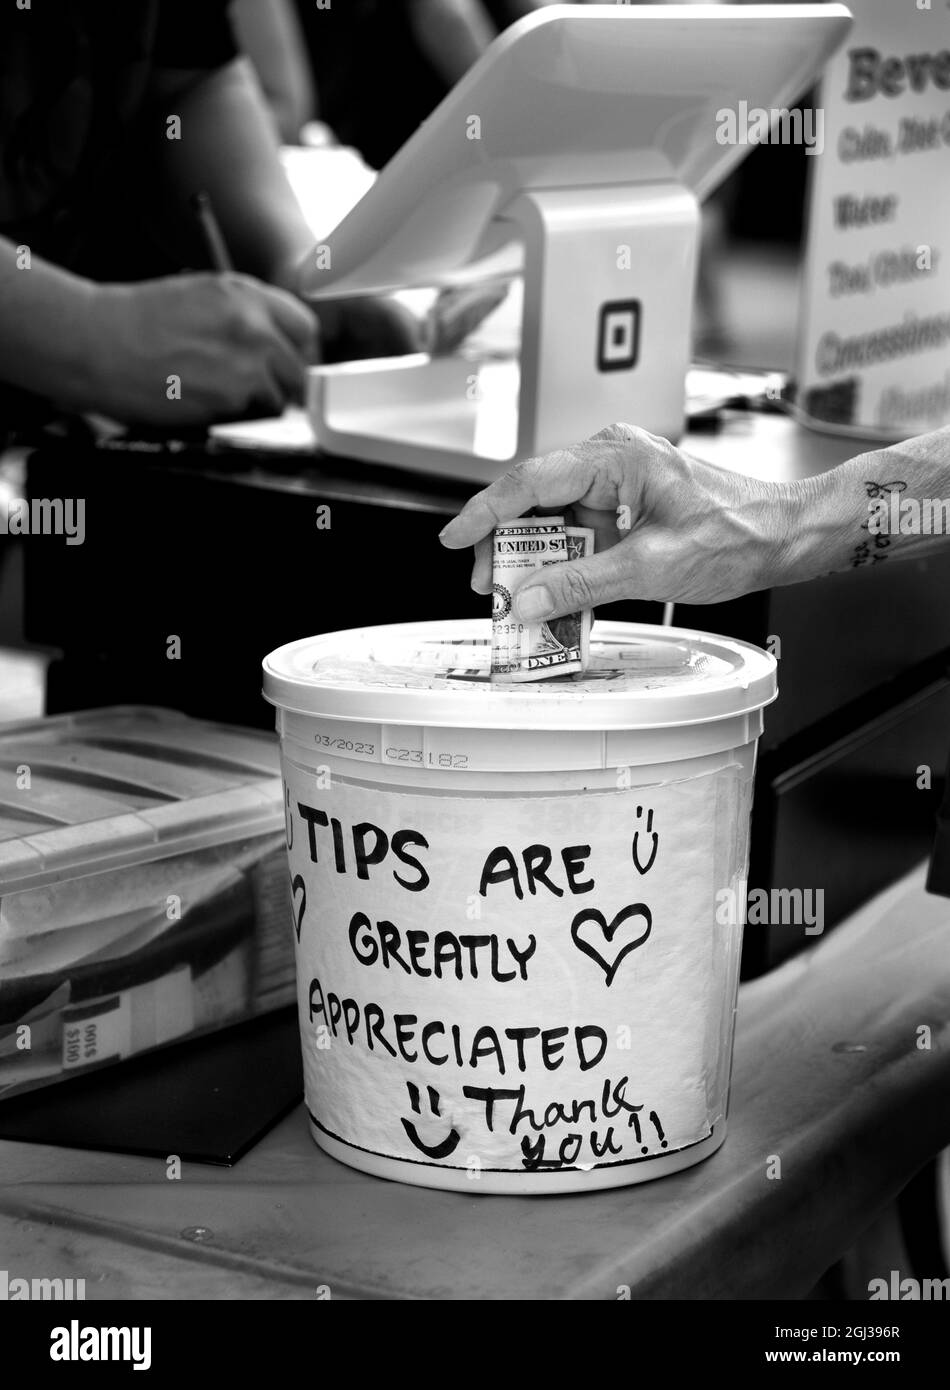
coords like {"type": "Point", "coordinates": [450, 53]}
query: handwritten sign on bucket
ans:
{"type": "Point", "coordinates": [513, 983]}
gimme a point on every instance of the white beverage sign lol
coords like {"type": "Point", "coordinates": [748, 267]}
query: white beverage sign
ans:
{"type": "Point", "coordinates": [875, 343]}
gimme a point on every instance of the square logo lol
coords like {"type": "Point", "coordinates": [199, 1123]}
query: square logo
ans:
{"type": "Point", "coordinates": [618, 336]}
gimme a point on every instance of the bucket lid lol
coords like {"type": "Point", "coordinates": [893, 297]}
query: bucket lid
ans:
{"type": "Point", "coordinates": [436, 674]}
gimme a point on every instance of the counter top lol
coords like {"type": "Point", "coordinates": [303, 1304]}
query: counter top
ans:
{"type": "Point", "coordinates": [830, 1079]}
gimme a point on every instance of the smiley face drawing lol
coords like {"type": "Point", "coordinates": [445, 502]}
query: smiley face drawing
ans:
{"type": "Point", "coordinates": [451, 1141]}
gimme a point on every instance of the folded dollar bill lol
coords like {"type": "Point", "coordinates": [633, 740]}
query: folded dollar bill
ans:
{"type": "Point", "coordinates": [536, 651]}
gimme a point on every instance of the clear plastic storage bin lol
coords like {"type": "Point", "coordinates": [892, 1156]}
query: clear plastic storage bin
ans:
{"type": "Point", "coordinates": [144, 894]}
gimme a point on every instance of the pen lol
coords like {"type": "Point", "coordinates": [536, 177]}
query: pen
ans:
{"type": "Point", "coordinates": [211, 232]}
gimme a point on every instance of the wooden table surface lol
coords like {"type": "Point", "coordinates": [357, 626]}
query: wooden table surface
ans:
{"type": "Point", "coordinates": [830, 1078]}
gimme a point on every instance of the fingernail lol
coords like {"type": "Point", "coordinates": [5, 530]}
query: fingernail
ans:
{"type": "Point", "coordinates": [534, 603]}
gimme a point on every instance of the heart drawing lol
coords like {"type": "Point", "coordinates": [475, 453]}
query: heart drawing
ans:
{"type": "Point", "coordinates": [600, 932]}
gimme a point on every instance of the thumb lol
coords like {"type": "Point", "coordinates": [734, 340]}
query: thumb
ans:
{"type": "Point", "coordinates": [560, 589]}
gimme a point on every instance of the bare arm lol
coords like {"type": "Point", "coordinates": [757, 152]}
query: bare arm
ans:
{"type": "Point", "coordinates": [43, 337]}
{"type": "Point", "coordinates": [891, 503]}
{"type": "Point", "coordinates": [269, 33]}
{"type": "Point", "coordinates": [228, 148]}
{"type": "Point", "coordinates": [229, 343]}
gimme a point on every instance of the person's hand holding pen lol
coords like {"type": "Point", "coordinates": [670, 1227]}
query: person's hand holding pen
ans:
{"type": "Point", "coordinates": [193, 348]}
{"type": "Point", "coordinates": [347, 329]}
{"type": "Point", "coordinates": [190, 348]}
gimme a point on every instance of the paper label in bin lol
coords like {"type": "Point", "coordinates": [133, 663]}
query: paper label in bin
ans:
{"type": "Point", "coordinates": [97, 1032]}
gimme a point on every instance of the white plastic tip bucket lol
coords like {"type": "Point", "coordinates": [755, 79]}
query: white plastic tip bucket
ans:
{"type": "Point", "coordinates": [517, 960]}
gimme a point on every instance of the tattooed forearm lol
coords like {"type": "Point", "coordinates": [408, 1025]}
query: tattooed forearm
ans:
{"type": "Point", "coordinates": [907, 518]}
{"type": "Point", "coordinates": [874, 548]}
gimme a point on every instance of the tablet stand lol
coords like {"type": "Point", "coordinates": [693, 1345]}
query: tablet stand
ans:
{"type": "Point", "coordinates": [588, 134]}
{"type": "Point", "coordinates": [608, 288]}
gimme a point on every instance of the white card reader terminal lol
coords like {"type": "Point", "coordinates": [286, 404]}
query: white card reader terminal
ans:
{"type": "Point", "coordinates": [575, 153]}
